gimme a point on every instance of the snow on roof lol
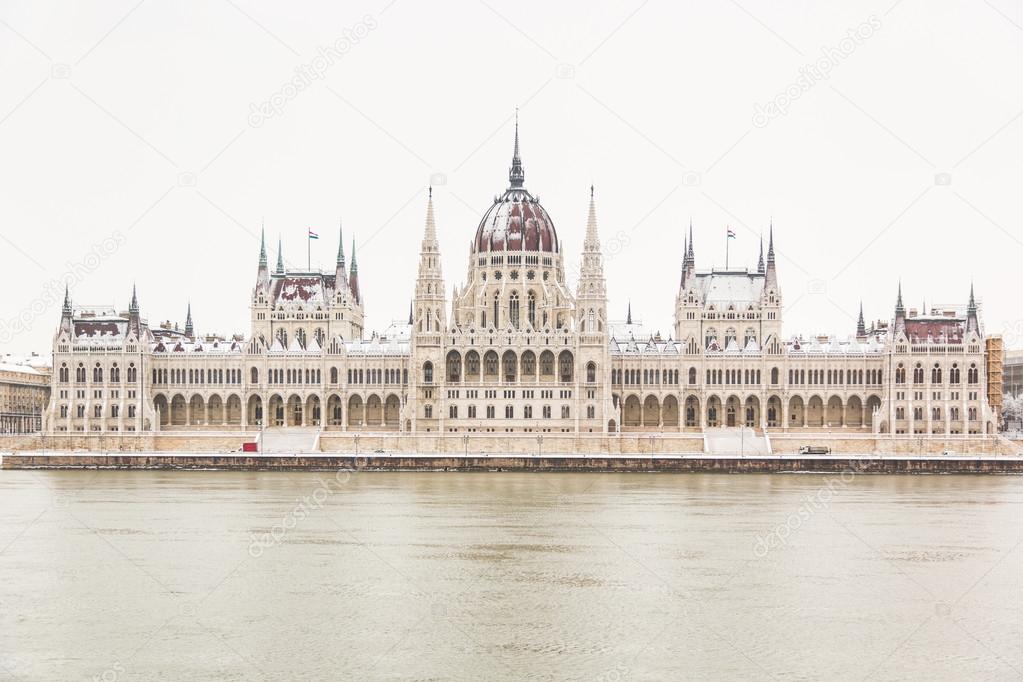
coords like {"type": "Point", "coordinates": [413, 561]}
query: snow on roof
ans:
{"type": "Point", "coordinates": [735, 287]}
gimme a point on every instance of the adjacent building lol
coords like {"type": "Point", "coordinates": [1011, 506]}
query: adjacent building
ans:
{"type": "Point", "coordinates": [24, 393]}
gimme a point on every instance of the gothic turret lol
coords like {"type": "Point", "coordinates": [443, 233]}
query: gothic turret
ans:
{"type": "Point", "coordinates": [353, 276]}
{"type": "Point", "coordinates": [280, 258]}
{"type": "Point", "coordinates": [430, 314]}
{"type": "Point", "coordinates": [972, 322]}
{"type": "Point", "coordinates": [591, 293]}
{"type": "Point", "coordinates": [900, 312]}
{"type": "Point", "coordinates": [134, 319]}
{"type": "Point", "coordinates": [861, 326]}
{"type": "Point", "coordinates": [760, 263]}
{"type": "Point", "coordinates": [189, 329]}
{"type": "Point", "coordinates": [66, 312]}
{"type": "Point", "coordinates": [263, 272]}
{"type": "Point", "coordinates": [340, 278]}
{"type": "Point", "coordinates": [770, 272]}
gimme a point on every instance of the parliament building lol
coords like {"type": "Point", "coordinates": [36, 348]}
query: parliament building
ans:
{"type": "Point", "coordinates": [514, 349]}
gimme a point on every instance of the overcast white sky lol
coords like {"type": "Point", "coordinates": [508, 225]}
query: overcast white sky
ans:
{"type": "Point", "coordinates": [132, 122]}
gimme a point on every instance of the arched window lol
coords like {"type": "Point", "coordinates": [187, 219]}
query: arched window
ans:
{"type": "Point", "coordinates": [531, 309]}
{"type": "Point", "coordinates": [300, 337]}
{"type": "Point", "coordinates": [936, 374]}
{"type": "Point", "coordinates": [133, 373]}
{"type": "Point", "coordinates": [918, 374]}
{"type": "Point", "coordinates": [972, 376]}
{"type": "Point", "coordinates": [115, 374]}
{"type": "Point", "coordinates": [774, 375]}
{"type": "Point", "coordinates": [692, 376]}
{"type": "Point", "coordinates": [591, 371]}
{"type": "Point", "coordinates": [80, 373]}
{"type": "Point", "coordinates": [900, 374]}
{"type": "Point", "coordinates": [333, 375]}
{"type": "Point", "coordinates": [254, 376]}
{"type": "Point", "coordinates": [428, 372]}
{"type": "Point", "coordinates": [282, 336]}
{"type": "Point", "coordinates": [64, 374]}
{"type": "Point", "coordinates": [953, 374]}
{"type": "Point", "coordinates": [497, 317]}
{"type": "Point", "coordinates": [97, 374]}
{"type": "Point", "coordinates": [513, 309]}
{"type": "Point", "coordinates": [710, 336]}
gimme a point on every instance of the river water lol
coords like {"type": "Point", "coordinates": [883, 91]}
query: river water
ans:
{"type": "Point", "coordinates": [428, 576]}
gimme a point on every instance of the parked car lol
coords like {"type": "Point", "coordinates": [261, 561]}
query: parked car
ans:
{"type": "Point", "coordinates": [814, 450]}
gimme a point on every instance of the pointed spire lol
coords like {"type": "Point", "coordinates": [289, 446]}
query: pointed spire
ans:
{"type": "Point", "coordinates": [262, 246]}
{"type": "Point", "coordinates": [353, 276]}
{"type": "Point", "coordinates": [692, 256]}
{"type": "Point", "coordinates": [592, 241]}
{"type": "Point", "coordinates": [972, 323]}
{"type": "Point", "coordinates": [760, 263]}
{"type": "Point", "coordinates": [340, 244]}
{"type": "Point", "coordinates": [66, 310]}
{"type": "Point", "coordinates": [770, 242]}
{"type": "Point", "coordinates": [516, 175]}
{"type": "Point", "coordinates": [899, 308]}
{"type": "Point", "coordinates": [861, 327]}
{"type": "Point", "coordinates": [430, 234]}
{"type": "Point", "coordinates": [133, 307]}
{"type": "Point", "coordinates": [189, 330]}
{"type": "Point", "coordinates": [628, 315]}
{"type": "Point", "coordinates": [410, 318]}
{"type": "Point", "coordinates": [280, 257]}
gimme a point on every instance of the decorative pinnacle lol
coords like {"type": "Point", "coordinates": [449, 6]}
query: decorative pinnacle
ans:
{"type": "Point", "coordinates": [899, 308]}
{"type": "Point", "coordinates": [861, 327]}
{"type": "Point", "coordinates": [262, 244]}
{"type": "Point", "coordinates": [280, 257]}
{"type": "Point", "coordinates": [134, 305]}
{"type": "Point", "coordinates": [67, 301]}
{"type": "Point", "coordinates": [516, 175]}
{"type": "Point", "coordinates": [628, 315]}
{"type": "Point", "coordinates": [760, 263]}
{"type": "Point", "coordinates": [340, 244]}
{"type": "Point", "coordinates": [770, 242]}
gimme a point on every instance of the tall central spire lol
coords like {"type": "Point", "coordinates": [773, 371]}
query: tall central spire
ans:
{"type": "Point", "coordinates": [516, 175]}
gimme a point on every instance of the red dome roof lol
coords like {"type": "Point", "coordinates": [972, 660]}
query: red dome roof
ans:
{"type": "Point", "coordinates": [516, 221]}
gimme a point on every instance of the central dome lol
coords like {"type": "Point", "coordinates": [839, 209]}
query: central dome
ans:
{"type": "Point", "coordinates": [516, 221]}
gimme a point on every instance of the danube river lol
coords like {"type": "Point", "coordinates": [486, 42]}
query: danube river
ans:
{"type": "Point", "coordinates": [239, 576]}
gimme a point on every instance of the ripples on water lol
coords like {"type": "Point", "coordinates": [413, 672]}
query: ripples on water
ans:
{"type": "Point", "coordinates": [214, 576]}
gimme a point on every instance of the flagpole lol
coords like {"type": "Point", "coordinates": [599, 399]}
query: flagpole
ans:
{"type": "Point", "coordinates": [726, 246]}
{"type": "Point", "coordinates": [308, 252]}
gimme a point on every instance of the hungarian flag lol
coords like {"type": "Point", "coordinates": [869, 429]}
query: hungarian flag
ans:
{"type": "Point", "coordinates": [313, 235]}
{"type": "Point", "coordinates": [731, 233]}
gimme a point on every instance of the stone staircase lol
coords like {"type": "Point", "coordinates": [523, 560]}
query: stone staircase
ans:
{"type": "Point", "coordinates": [735, 441]}
{"type": "Point", "coordinates": [290, 440]}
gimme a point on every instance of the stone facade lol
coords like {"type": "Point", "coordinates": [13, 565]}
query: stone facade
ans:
{"type": "Point", "coordinates": [24, 394]}
{"type": "Point", "coordinates": [516, 349]}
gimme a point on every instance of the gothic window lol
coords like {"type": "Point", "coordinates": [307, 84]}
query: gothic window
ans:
{"type": "Point", "coordinates": [774, 375]}
{"type": "Point", "coordinates": [692, 376]}
{"type": "Point", "coordinates": [531, 307]}
{"type": "Point", "coordinates": [64, 374]}
{"type": "Point", "coordinates": [710, 336]}
{"type": "Point", "coordinates": [900, 374]}
{"type": "Point", "coordinates": [333, 375]}
{"type": "Point", "coordinates": [115, 374]}
{"type": "Point", "coordinates": [282, 336]}
{"type": "Point", "coordinates": [497, 317]}
{"type": "Point", "coordinates": [513, 309]}
{"type": "Point", "coordinates": [97, 374]}
{"type": "Point", "coordinates": [319, 336]}
{"type": "Point", "coordinates": [971, 374]}
{"type": "Point", "coordinates": [953, 374]}
{"type": "Point", "coordinates": [936, 374]}
{"type": "Point", "coordinates": [918, 374]}
{"type": "Point", "coordinates": [133, 373]}
{"type": "Point", "coordinates": [591, 372]}
{"type": "Point", "coordinates": [428, 411]}
{"type": "Point", "coordinates": [751, 335]}
{"type": "Point", "coordinates": [254, 376]}
{"type": "Point", "coordinates": [591, 411]}
{"type": "Point", "coordinates": [565, 365]}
